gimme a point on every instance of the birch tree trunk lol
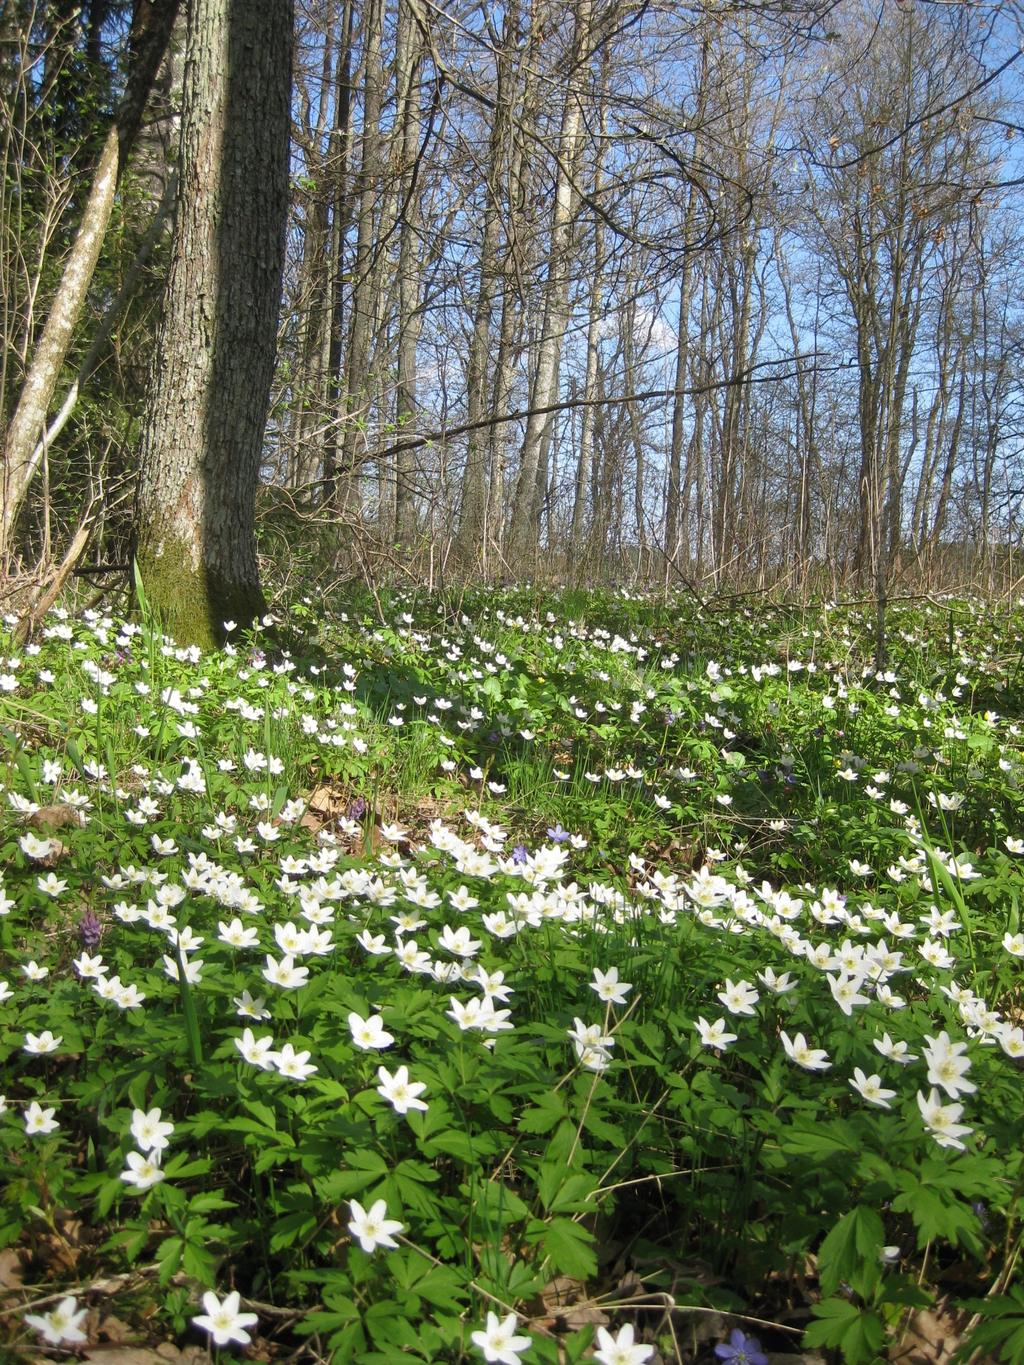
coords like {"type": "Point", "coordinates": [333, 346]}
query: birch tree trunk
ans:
{"type": "Point", "coordinates": [210, 385]}
{"type": "Point", "coordinates": [408, 65]}
{"type": "Point", "coordinates": [473, 503]}
{"type": "Point", "coordinates": [22, 450]}
{"type": "Point", "coordinates": [585, 456]}
{"type": "Point", "coordinates": [808, 459]}
{"type": "Point", "coordinates": [311, 301]}
{"type": "Point", "coordinates": [344, 478]}
{"type": "Point", "coordinates": [511, 329]}
{"type": "Point", "coordinates": [339, 159]}
{"type": "Point", "coordinates": [523, 525]}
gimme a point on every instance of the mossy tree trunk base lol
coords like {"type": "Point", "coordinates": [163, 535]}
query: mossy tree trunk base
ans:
{"type": "Point", "coordinates": [192, 603]}
{"type": "Point", "coordinates": [202, 437]}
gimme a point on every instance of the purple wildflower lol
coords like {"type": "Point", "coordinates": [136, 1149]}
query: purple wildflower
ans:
{"type": "Point", "coordinates": [90, 930]}
{"type": "Point", "coordinates": [741, 1350]}
{"type": "Point", "coordinates": [520, 854]}
{"type": "Point", "coordinates": [558, 834]}
{"type": "Point", "coordinates": [356, 808]}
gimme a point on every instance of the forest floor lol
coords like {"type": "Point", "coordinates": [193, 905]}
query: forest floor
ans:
{"type": "Point", "coordinates": [546, 976]}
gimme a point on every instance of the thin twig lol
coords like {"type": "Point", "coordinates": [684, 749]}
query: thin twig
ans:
{"type": "Point", "coordinates": [668, 1301]}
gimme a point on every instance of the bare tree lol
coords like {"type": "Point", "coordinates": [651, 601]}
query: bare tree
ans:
{"type": "Point", "coordinates": [523, 520]}
{"type": "Point", "coordinates": [893, 172]}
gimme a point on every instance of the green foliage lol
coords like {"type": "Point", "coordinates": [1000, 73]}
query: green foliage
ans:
{"type": "Point", "coordinates": [858, 1333]}
{"type": "Point", "coordinates": [850, 1253]}
{"type": "Point", "coordinates": [445, 809]}
{"type": "Point", "coordinates": [1000, 1333]}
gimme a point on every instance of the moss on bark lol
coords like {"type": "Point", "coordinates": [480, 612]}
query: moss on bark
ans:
{"type": "Point", "coordinates": [192, 604]}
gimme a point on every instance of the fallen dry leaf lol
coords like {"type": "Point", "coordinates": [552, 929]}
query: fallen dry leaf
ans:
{"type": "Point", "coordinates": [168, 1351]}
{"type": "Point", "coordinates": [328, 802]}
{"type": "Point", "coordinates": [11, 1269]}
{"type": "Point", "coordinates": [931, 1338]}
{"type": "Point", "coordinates": [55, 817]}
{"type": "Point", "coordinates": [567, 1306]}
{"type": "Point", "coordinates": [114, 1331]}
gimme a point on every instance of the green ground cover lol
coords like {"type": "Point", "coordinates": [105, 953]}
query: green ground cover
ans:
{"type": "Point", "coordinates": [532, 976]}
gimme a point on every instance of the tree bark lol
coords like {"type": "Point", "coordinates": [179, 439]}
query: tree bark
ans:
{"type": "Point", "coordinates": [469, 544]}
{"type": "Point", "coordinates": [343, 479]}
{"type": "Point", "coordinates": [339, 159]}
{"type": "Point", "coordinates": [585, 455]}
{"type": "Point", "coordinates": [408, 67]}
{"type": "Point", "coordinates": [523, 527]}
{"type": "Point", "coordinates": [22, 453]}
{"type": "Point", "coordinates": [202, 437]}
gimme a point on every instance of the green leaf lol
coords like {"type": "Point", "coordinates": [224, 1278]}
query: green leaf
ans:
{"type": "Point", "coordinates": [820, 1139]}
{"type": "Point", "coordinates": [27, 775]}
{"type": "Point", "coordinates": [323, 1322]}
{"type": "Point", "coordinates": [491, 688]}
{"type": "Point", "coordinates": [389, 1326]}
{"type": "Point", "coordinates": [442, 1288]}
{"type": "Point", "coordinates": [570, 1248]}
{"type": "Point", "coordinates": [168, 1255]}
{"type": "Point", "coordinates": [408, 1185]}
{"type": "Point", "coordinates": [550, 1108]}
{"type": "Point", "coordinates": [501, 1108]}
{"type": "Point", "coordinates": [1000, 1334]}
{"type": "Point", "coordinates": [565, 1193]}
{"type": "Point", "coordinates": [857, 1332]}
{"type": "Point", "coordinates": [365, 1160]}
{"type": "Point", "coordinates": [849, 1254]}
{"type": "Point", "coordinates": [563, 1144]}
{"type": "Point", "coordinates": [263, 1113]}
{"type": "Point", "coordinates": [207, 1203]}
{"type": "Point", "coordinates": [576, 1345]}
{"type": "Point", "coordinates": [200, 1263]}
{"type": "Point", "coordinates": [342, 1184]}
{"type": "Point", "coordinates": [109, 1191]}
{"type": "Point", "coordinates": [903, 1290]}
{"type": "Point", "coordinates": [522, 1280]}
{"type": "Point", "coordinates": [497, 1204]}
{"type": "Point", "coordinates": [607, 1132]}
{"type": "Point", "coordinates": [452, 1142]}
{"type": "Point", "coordinates": [183, 1167]}
{"type": "Point", "coordinates": [936, 1217]}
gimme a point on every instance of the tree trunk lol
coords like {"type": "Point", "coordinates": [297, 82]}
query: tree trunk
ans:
{"type": "Point", "coordinates": [339, 158]}
{"type": "Point", "coordinates": [511, 328]}
{"type": "Point", "coordinates": [22, 453]}
{"type": "Point", "coordinates": [469, 546]}
{"type": "Point", "coordinates": [523, 527]}
{"type": "Point", "coordinates": [202, 436]}
{"type": "Point", "coordinates": [806, 420]}
{"type": "Point", "coordinates": [344, 479]}
{"type": "Point", "coordinates": [310, 303]}
{"type": "Point", "coordinates": [585, 456]}
{"type": "Point", "coordinates": [409, 65]}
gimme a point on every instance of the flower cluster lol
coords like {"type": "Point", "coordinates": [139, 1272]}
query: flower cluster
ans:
{"type": "Point", "coordinates": [340, 1006]}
